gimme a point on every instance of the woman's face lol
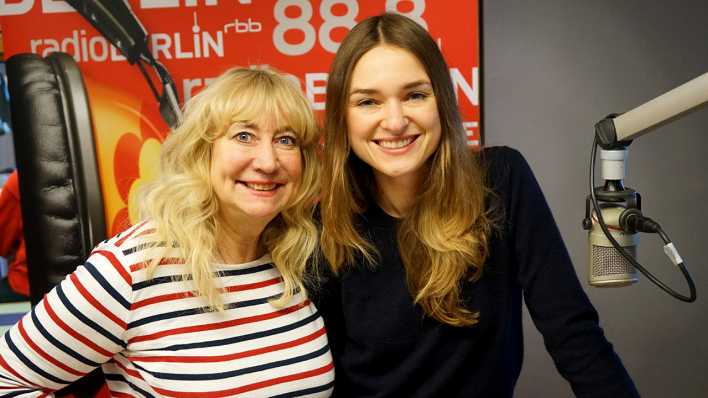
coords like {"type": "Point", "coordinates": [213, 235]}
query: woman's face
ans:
{"type": "Point", "coordinates": [255, 169]}
{"type": "Point", "coordinates": [392, 116]}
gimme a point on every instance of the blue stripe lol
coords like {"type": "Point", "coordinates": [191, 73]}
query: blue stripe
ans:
{"type": "Point", "coordinates": [196, 311]}
{"type": "Point", "coordinates": [88, 322]}
{"type": "Point", "coordinates": [121, 379]}
{"type": "Point", "coordinates": [159, 280]}
{"type": "Point", "coordinates": [238, 372]}
{"type": "Point", "coordinates": [18, 393]}
{"type": "Point", "coordinates": [29, 363]}
{"type": "Point", "coordinates": [220, 274]}
{"type": "Point", "coordinates": [58, 344]}
{"type": "Point", "coordinates": [143, 246]}
{"type": "Point", "coordinates": [245, 271]}
{"type": "Point", "coordinates": [245, 337]}
{"type": "Point", "coordinates": [306, 391]}
{"type": "Point", "coordinates": [106, 285]}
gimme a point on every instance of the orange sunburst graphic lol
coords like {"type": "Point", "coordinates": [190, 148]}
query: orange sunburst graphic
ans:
{"type": "Point", "coordinates": [128, 133]}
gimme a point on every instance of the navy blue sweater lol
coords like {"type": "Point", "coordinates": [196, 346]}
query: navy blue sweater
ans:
{"type": "Point", "coordinates": [384, 346]}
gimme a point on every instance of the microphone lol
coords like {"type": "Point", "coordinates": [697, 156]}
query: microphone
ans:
{"type": "Point", "coordinates": [607, 267]}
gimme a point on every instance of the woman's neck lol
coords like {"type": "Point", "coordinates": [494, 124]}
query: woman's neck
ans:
{"type": "Point", "coordinates": [396, 195]}
{"type": "Point", "coordinates": [238, 242]}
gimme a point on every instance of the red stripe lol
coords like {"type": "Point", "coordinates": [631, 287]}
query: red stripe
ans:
{"type": "Point", "coordinates": [255, 285]}
{"type": "Point", "coordinates": [249, 387]}
{"type": "Point", "coordinates": [116, 264]}
{"type": "Point", "coordinates": [70, 331]}
{"type": "Point", "coordinates": [129, 372]}
{"type": "Point", "coordinates": [87, 295]}
{"type": "Point", "coordinates": [7, 367]}
{"type": "Point", "coordinates": [219, 325]}
{"type": "Point", "coordinates": [182, 295]}
{"type": "Point", "coordinates": [238, 355]}
{"type": "Point", "coordinates": [127, 235]}
{"type": "Point", "coordinates": [43, 354]}
{"type": "Point", "coordinates": [161, 299]}
{"type": "Point", "coordinates": [164, 261]}
{"type": "Point", "coordinates": [146, 232]}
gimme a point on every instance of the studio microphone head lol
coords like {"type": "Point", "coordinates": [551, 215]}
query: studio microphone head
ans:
{"type": "Point", "coordinates": [608, 268]}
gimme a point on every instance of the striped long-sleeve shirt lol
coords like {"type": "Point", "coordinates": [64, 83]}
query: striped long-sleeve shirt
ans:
{"type": "Point", "coordinates": [153, 337]}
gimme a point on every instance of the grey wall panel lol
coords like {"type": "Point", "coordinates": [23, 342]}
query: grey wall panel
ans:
{"type": "Point", "coordinates": [551, 69]}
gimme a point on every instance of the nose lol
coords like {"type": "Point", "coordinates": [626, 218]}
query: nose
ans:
{"type": "Point", "coordinates": [394, 119]}
{"type": "Point", "coordinates": [266, 158]}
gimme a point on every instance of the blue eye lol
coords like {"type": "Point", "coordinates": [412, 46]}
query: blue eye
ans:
{"type": "Point", "coordinates": [286, 140]}
{"type": "Point", "coordinates": [244, 136]}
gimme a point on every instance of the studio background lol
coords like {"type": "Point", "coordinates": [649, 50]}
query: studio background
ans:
{"type": "Point", "coordinates": [550, 70]}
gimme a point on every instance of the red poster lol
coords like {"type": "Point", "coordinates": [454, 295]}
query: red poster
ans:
{"type": "Point", "coordinates": [197, 40]}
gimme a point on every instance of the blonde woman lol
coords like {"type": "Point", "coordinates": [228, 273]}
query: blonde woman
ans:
{"type": "Point", "coordinates": [205, 297]}
{"type": "Point", "coordinates": [433, 245]}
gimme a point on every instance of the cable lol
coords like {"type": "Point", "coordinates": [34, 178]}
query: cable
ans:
{"type": "Point", "coordinates": [691, 286]}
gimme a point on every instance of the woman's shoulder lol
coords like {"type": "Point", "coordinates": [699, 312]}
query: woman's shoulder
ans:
{"type": "Point", "coordinates": [504, 166]}
{"type": "Point", "coordinates": [132, 246]}
{"type": "Point", "coordinates": [501, 157]}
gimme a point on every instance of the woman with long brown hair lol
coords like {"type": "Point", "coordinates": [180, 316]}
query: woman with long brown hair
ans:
{"type": "Point", "coordinates": [431, 245]}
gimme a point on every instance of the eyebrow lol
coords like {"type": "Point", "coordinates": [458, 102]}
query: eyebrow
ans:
{"type": "Point", "coordinates": [254, 126]}
{"type": "Point", "coordinates": [407, 86]}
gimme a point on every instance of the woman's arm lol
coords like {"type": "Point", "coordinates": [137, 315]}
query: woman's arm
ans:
{"type": "Point", "coordinates": [76, 327]}
{"type": "Point", "coordinates": [556, 301]}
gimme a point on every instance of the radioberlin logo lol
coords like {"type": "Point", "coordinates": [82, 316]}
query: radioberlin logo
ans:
{"type": "Point", "coordinates": [93, 47]}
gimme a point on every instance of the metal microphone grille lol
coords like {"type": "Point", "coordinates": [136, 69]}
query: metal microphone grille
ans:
{"type": "Point", "coordinates": [610, 268]}
{"type": "Point", "coordinates": [607, 261]}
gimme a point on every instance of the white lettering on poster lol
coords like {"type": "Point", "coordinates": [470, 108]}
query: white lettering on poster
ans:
{"type": "Point", "coordinates": [247, 26]}
{"type": "Point", "coordinates": [471, 91]}
{"type": "Point", "coordinates": [312, 89]}
{"type": "Point", "coordinates": [316, 87]}
{"type": "Point", "coordinates": [10, 7]}
{"type": "Point", "coordinates": [24, 6]}
{"type": "Point", "coordinates": [56, 6]}
{"type": "Point", "coordinates": [147, 4]}
{"type": "Point", "coordinates": [163, 46]}
{"type": "Point", "coordinates": [15, 8]}
{"type": "Point", "coordinates": [415, 14]}
{"type": "Point", "coordinates": [471, 131]}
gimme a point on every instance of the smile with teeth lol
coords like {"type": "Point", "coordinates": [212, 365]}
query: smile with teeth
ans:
{"type": "Point", "coordinates": [395, 144]}
{"type": "Point", "coordinates": [261, 187]}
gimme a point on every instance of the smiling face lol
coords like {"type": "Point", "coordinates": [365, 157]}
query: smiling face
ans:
{"type": "Point", "coordinates": [256, 167]}
{"type": "Point", "coordinates": [392, 116]}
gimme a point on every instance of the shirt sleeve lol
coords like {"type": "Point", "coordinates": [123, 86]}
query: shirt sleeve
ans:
{"type": "Point", "coordinates": [558, 305]}
{"type": "Point", "coordinates": [78, 326]}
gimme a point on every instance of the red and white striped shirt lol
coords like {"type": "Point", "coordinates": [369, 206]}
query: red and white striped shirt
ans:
{"type": "Point", "coordinates": [153, 337]}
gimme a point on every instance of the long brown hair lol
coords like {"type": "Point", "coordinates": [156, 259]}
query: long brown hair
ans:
{"type": "Point", "coordinates": [443, 240]}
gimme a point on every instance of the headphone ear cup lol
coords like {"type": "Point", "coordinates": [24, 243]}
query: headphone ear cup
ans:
{"type": "Point", "coordinates": [54, 149]}
{"type": "Point", "coordinates": [62, 207]}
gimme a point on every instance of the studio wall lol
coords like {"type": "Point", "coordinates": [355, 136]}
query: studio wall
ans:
{"type": "Point", "coordinates": [551, 70]}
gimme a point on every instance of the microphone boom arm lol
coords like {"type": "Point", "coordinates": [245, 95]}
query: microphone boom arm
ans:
{"type": "Point", "coordinates": [618, 131]}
